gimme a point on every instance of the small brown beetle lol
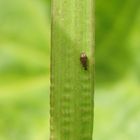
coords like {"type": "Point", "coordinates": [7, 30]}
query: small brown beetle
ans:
{"type": "Point", "coordinates": [84, 60]}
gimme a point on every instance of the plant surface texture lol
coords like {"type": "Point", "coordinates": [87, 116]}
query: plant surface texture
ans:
{"type": "Point", "coordinates": [72, 70]}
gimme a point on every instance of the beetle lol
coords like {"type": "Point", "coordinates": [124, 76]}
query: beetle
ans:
{"type": "Point", "coordinates": [84, 60]}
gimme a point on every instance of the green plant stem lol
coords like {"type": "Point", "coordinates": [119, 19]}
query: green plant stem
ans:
{"type": "Point", "coordinates": [72, 86]}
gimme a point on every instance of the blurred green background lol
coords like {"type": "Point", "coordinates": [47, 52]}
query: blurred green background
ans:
{"type": "Point", "coordinates": [117, 115]}
{"type": "Point", "coordinates": [24, 69]}
{"type": "Point", "coordinates": [25, 63]}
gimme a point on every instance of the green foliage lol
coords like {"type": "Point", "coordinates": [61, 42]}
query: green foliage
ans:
{"type": "Point", "coordinates": [24, 69]}
{"type": "Point", "coordinates": [117, 70]}
{"type": "Point", "coordinates": [114, 20]}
